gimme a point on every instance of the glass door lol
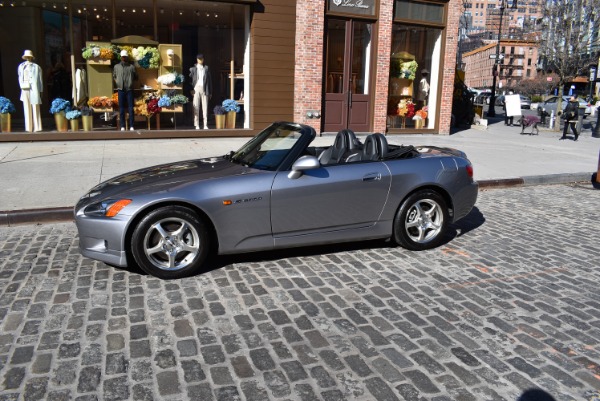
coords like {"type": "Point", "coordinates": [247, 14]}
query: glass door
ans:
{"type": "Point", "coordinates": [348, 61]}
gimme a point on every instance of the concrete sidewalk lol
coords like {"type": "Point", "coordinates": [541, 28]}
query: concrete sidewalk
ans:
{"type": "Point", "coordinates": [41, 181]}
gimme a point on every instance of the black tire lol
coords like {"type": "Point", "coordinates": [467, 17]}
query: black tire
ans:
{"type": "Point", "coordinates": [421, 221]}
{"type": "Point", "coordinates": [170, 243]}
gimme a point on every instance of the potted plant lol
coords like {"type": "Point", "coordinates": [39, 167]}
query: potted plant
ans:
{"type": "Point", "coordinates": [6, 108]}
{"type": "Point", "coordinates": [219, 116]}
{"type": "Point", "coordinates": [73, 117]}
{"type": "Point", "coordinates": [231, 107]}
{"type": "Point", "coordinates": [87, 118]}
{"type": "Point", "coordinates": [59, 108]}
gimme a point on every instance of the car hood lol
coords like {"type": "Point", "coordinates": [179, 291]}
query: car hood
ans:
{"type": "Point", "coordinates": [157, 178]}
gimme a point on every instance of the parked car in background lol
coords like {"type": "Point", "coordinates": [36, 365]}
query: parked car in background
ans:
{"type": "Point", "coordinates": [525, 101]}
{"type": "Point", "coordinates": [483, 98]}
{"type": "Point", "coordinates": [549, 105]}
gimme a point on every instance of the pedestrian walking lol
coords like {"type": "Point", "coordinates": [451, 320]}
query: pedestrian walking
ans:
{"type": "Point", "coordinates": [507, 120]}
{"type": "Point", "coordinates": [570, 115]}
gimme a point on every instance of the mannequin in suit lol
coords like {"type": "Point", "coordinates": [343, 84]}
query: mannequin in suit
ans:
{"type": "Point", "coordinates": [30, 82]}
{"type": "Point", "coordinates": [201, 82]}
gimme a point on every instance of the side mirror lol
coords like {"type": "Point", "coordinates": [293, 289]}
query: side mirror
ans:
{"type": "Point", "coordinates": [302, 164]}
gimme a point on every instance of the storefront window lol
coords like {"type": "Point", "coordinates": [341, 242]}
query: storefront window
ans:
{"type": "Point", "coordinates": [217, 30]}
{"type": "Point", "coordinates": [414, 77]}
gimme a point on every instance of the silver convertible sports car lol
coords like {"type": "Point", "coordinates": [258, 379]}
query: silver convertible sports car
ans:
{"type": "Point", "coordinates": [277, 191]}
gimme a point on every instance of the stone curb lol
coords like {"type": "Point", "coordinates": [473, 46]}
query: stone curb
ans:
{"type": "Point", "coordinates": [48, 215]}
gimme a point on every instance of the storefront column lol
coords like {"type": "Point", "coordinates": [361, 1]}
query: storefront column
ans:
{"type": "Point", "coordinates": [384, 45]}
{"type": "Point", "coordinates": [308, 81]}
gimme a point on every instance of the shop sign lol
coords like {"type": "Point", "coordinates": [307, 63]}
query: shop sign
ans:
{"type": "Point", "coordinates": [362, 7]}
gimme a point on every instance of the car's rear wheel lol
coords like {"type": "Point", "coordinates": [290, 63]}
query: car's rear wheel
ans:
{"type": "Point", "coordinates": [421, 221]}
{"type": "Point", "coordinates": [170, 242]}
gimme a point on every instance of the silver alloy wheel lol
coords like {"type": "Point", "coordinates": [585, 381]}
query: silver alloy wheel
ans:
{"type": "Point", "coordinates": [171, 244]}
{"type": "Point", "coordinates": [424, 221]}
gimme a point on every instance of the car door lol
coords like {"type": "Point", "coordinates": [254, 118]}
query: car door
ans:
{"type": "Point", "coordinates": [328, 200]}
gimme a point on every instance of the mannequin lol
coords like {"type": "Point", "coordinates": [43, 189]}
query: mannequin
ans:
{"type": "Point", "coordinates": [30, 82]}
{"type": "Point", "coordinates": [423, 91]}
{"type": "Point", "coordinates": [124, 74]}
{"type": "Point", "coordinates": [202, 91]}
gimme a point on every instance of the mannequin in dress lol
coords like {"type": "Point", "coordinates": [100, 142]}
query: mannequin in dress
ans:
{"type": "Point", "coordinates": [30, 82]}
{"type": "Point", "coordinates": [201, 82]}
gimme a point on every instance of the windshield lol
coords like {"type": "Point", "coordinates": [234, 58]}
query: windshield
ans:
{"type": "Point", "coordinates": [269, 148]}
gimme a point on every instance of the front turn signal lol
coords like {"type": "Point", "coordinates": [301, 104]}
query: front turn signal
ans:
{"type": "Point", "coordinates": [116, 207]}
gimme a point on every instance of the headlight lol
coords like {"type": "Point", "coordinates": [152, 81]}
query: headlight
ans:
{"type": "Point", "coordinates": [106, 208]}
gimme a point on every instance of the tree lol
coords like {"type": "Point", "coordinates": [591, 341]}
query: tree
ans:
{"type": "Point", "coordinates": [570, 42]}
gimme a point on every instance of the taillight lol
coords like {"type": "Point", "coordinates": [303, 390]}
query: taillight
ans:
{"type": "Point", "coordinates": [470, 170]}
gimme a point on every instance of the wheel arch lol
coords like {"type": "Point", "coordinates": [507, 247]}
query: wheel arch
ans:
{"type": "Point", "coordinates": [436, 188]}
{"type": "Point", "coordinates": [148, 209]}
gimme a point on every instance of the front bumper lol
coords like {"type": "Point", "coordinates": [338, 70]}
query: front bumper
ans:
{"type": "Point", "coordinates": [102, 239]}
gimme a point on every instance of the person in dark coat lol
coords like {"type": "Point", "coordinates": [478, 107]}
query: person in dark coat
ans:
{"type": "Point", "coordinates": [570, 115]}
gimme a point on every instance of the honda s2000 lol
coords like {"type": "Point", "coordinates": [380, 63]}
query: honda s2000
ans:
{"type": "Point", "coordinates": [277, 191]}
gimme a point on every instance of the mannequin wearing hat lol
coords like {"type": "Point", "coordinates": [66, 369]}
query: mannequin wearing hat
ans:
{"type": "Point", "coordinates": [124, 74]}
{"type": "Point", "coordinates": [30, 82]}
{"type": "Point", "coordinates": [201, 82]}
{"type": "Point", "coordinates": [423, 91]}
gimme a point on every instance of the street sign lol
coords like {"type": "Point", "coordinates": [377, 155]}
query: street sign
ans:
{"type": "Point", "coordinates": [500, 56]}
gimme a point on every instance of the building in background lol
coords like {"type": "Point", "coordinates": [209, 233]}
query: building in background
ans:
{"type": "Point", "coordinates": [518, 62]}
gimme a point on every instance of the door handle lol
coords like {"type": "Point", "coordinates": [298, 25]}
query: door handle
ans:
{"type": "Point", "coordinates": [372, 177]}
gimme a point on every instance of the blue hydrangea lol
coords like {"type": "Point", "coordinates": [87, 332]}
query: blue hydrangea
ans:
{"type": "Point", "coordinates": [59, 105]}
{"type": "Point", "coordinates": [6, 106]}
{"type": "Point", "coordinates": [231, 105]}
{"type": "Point", "coordinates": [164, 101]}
{"type": "Point", "coordinates": [73, 114]}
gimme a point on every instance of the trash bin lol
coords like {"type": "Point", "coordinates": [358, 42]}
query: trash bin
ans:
{"type": "Point", "coordinates": [478, 109]}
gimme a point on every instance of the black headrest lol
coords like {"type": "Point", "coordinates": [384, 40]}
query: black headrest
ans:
{"type": "Point", "coordinates": [351, 139]}
{"type": "Point", "coordinates": [375, 147]}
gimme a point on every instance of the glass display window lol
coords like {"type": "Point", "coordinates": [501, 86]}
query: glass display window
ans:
{"type": "Point", "coordinates": [414, 77]}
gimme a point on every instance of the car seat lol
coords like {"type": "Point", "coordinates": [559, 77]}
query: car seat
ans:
{"type": "Point", "coordinates": [374, 148]}
{"type": "Point", "coordinates": [345, 143]}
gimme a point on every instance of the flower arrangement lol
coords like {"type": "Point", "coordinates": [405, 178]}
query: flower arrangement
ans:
{"type": "Point", "coordinates": [6, 106]}
{"type": "Point", "coordinates": [230, 105]}
{"type": "Point", "coordinates": [100, 102]}
{"type": "Point", "coordinates": [59, 105]}
{"type": "Point", "coordinates": [219, 110]}
{"type": "Point", "coordinates": [145, 57]}
{"type": "Point", "coordinates": [147, 105]}
{"type": "Point", "coordinates": [406, 108]}
{"type": "Point", "coordinates": [153, 107]}
{"type": "Point", "coordinates": [179, 99]}
{"type": "Point", "coordinates": [164, 101]}
{"type": "Point", "coordinates": [421, 114]}
{"type": "Point", "coordinates": [104, 53]}
{"type": "Point", "coordinates": [73, 114]}
{"type": "Point", "coordinates": [408, 69]}
{"type": "Point", "coordinates": [115, 99]}
{"type": "Point", "coordinates": [171, 78]}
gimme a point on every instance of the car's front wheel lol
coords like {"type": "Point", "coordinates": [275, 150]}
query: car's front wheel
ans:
{"type": "Point", "coordinates": [421, 221]}
{"type": "Point", "coordinates": [170, 242]}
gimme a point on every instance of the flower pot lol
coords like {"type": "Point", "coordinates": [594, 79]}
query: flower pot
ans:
{"type": "Point", "coordinates": [220, 121]}
{"type": "Point", "coordinates": [419, 123]}
{"type": "Point", "coordinates": [5, 122]}
{"type": "Point", "coordinates": [231, 119]}
{"type": "Point", "coordinates": [61, 121]}
{"type": "Point", "coordinates": [74, 124]}
{"type": "Point", "coordinates": [88, 123]}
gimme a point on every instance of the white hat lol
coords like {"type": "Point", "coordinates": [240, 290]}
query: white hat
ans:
{"type": "Point", "coordinates": [124, 53]}
{"type": "Point", "coordinates": [27, 54]}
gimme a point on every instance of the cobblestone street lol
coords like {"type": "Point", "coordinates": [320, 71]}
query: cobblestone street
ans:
{"type": "Point", "coordinates": [509, 304]}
